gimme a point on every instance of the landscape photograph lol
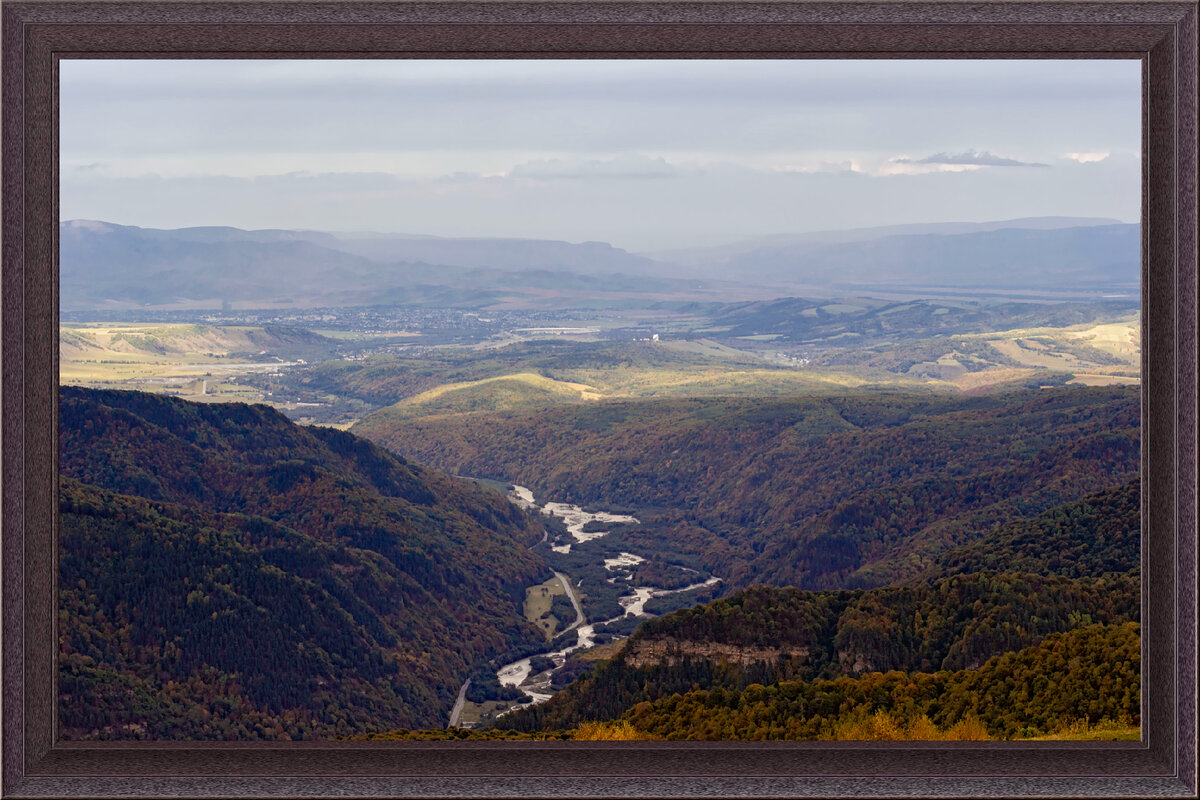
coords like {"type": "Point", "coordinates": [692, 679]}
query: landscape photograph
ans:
{"type": "Point", "coordinates": [600, 400]}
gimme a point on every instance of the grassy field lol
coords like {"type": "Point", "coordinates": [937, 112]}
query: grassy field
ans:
{"type": "Point", "coordinates": [198, 362]}
{"type": "Point", "coordinates": [519, 390]}
{"type": "Point", "coordinates": [1111, 349]}
{"type": "Point", "coordinates": [473, 713]}
{"type": "Point", "coordinates": [538, 600]}
{"type": "Point", "coordinates": [1090, 354]}
{"type": "Point", "coordinates": [110, 352]}
{"type": "Point", "coordinates": [712, 380]}
{"type": "Point", "coordinates": [115, 353]}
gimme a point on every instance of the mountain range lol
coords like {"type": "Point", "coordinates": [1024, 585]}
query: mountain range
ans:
{"type": "Point", "coordinates": [108, 266]}
{"type": "Point", "coordinates": [1005, 258]}
{"type": "Point", "coordinates": [722, 254]}
{"type": "Point", "coordinates": [103, 265]}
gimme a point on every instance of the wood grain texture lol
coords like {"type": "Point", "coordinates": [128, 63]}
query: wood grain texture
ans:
{"type": "Point", "coordinates": [35, 35]}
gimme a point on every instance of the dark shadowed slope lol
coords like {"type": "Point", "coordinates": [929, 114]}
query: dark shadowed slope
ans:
{"type": "Point", "coordinates": [228, 574]}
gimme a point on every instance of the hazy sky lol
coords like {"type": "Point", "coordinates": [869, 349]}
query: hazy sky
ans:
{"type": "Point", "coordinates": [643, 154]}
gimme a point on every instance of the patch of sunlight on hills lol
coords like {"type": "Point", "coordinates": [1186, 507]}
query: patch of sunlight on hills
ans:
{"type": "Point", "coordinates": [122, 352]}
{"type": "Point", "coordinates": [1122, 339]}
{"type": "Point", "coordinates": [1115, 345]}
{"type": "Point", "coordinates": [158, 339]}
{"type": "Point", "coordinates": [198, 361]}
{"type": "Point", "coordinates": [526, 390]}
{"type": "Point", "coordinates": [715, 381]}
{"type": "Point", "coordinates": [501, 393]}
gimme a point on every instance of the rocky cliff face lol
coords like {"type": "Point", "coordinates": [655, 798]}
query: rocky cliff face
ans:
{"type": "Point", "coordinates": [672, 651]}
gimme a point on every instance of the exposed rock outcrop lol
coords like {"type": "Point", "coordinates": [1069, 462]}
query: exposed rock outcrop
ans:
{"type": "Point", "coordinates": [672, 651]}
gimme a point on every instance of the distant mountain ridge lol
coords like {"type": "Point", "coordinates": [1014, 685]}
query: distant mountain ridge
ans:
{"type": "Point", "coordinates": [203, 233]}
{"type": "Point", "coordinates": [1010, 258]}
{"type": "Point", "coordinates": [107, 265]}
{"type": "Point", "coordinates": [587, 258]}
{"type": "Point", "coordinates": [701, 256]}
{"type": "Point", "coordinates": [104, 265]}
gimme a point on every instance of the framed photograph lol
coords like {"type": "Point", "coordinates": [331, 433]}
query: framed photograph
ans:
{"type": "Point", "coordinates": [602, 399]}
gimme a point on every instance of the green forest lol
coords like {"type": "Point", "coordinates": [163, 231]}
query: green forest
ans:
{"type": "Point", "coordinates": [1088, 676]}
{"type": "Point", "coordinates": [767, 635]}
{"type": "Point", "coordinates": [1081, 684]}
{"type": "Point", "coordinates": [959, 651]}
{"type": "Point", "coordinates": [227, 574]}
{"type": "Point", "coordinates": [855, 490]}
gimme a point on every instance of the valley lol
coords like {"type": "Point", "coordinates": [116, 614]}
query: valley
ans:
{"type": "Point", "coordinates": [541, 683]}
{"type": "Point", "coordinates": [541, 486]}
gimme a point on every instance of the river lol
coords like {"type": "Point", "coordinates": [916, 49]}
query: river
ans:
{"type": "Point", "coordinates": [537, 687]}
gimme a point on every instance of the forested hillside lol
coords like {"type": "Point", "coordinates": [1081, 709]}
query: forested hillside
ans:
{"type": "Point", "coordinates": [1085, 677]}
{"type": "Point", "coordinates": [857, 490]}
{"type": "Point", "coordinates": [767, 635]}
{"type": "Point", "coordinates": [1097, 534]}
{"type": "Point", "coordinates": [227, 574]}
{"type": "Point", "coordinates": [910, 660]}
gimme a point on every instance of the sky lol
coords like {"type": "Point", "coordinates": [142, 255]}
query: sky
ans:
{"type": "Point", "coordinates": [644, 154]}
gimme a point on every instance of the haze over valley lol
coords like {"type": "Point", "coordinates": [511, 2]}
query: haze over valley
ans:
{"type": "Point", "coordinates": [205, 308]}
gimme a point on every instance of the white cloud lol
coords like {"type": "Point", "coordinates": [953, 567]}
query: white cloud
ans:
{"type": "Point", "coordinates": [582, 150]}
{"type": "Point", "coordinates": [969, 158]}
{"type": "Point", "coordinates": [623, 166]}
{"type": "Point", "coordinates": [903, 165]}
{"type": "Point", "coordinates": [814, 166]}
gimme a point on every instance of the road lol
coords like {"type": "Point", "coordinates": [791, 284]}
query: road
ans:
{"type": "Point", "coordinates": [579, 618]}
{"type": "Point", "coordinates": [458, 705]}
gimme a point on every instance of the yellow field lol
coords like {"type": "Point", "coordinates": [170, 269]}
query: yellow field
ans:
{"type": "Point", "coordinates": [107, 353]}
{"type": "Point", "coordinates": [196, 362]}
{"type": "Point", "coordinates": [709, 381]}
{"type": "Point", "coordinates": [1080, 349]}
{"type": "Point", "coordinates": [1031, 354]}
{"type": "Point", "coordinates": [1122, 339]}
{"type": "Point", "coordinates": [975, 381]}
{"type": "Point", "coordinates": [564, 388]}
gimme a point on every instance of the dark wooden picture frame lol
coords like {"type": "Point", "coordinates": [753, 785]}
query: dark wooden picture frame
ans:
{"type": "Point", "coordinates": [37, 34]}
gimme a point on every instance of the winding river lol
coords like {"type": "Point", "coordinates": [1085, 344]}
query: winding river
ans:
{"type": "Point", "coordinates": [537, 687]}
